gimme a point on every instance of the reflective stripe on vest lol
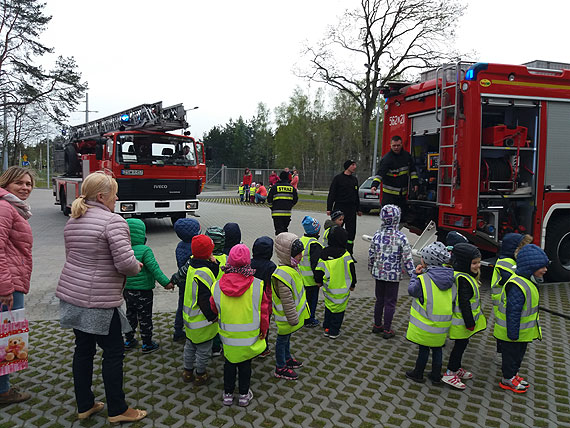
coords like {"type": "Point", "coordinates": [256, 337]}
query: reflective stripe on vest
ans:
{"type": "Point", "coordinates": [294, 281]}
{"type": "Point", "coordinates": [198, 328]}
{"type": "Point", "coordinates": [305, 264]}
{"type": "Point", "coordinates": [239, 320]}
{"type": "Point", "coordinates": [394, 190]}
{"type": "Point", "coordinates": [529, 328]}
{"type": "Point", "coordinates": [458, 329]}
{"type": "Point", "coordinates": [240, 189]}
{"type": "Point", "coordinates": [222, 258]}
{"type": "Point", "coordinates": [507, 265]}
{"type": "Point", "coordinates": [252, 191]}
{"type": "Point", "coordinates": [336, 281]}
{"type": "Point", "coordinates": [430, 321]}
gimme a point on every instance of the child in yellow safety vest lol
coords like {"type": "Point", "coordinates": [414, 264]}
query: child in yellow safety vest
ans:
{"type": "Point", "coordinates": [200, 325]}
{"type": "Point", "coordinates": [243, 315]}
{"type": "Point", "coordinates": [252, 191]}
{"type": "Point", "coordinates": [337, 219]}
{"type": "Point", "coordinates": [218, 236]}
{"type": "Point", "coordinates": [241, 191]}
{"type": "Point", "coordinates": [289, 302]}
{"type": "Point", "coordinates": [468, 318]}
{"type": "Point", "coordinates": [431, 312]}
{"type": "Point", "coordinates": [311, 255]}
{"type": "Point", "coordinates": [336, 272]}
{"type": "Point", "coordinates": [517, 323]}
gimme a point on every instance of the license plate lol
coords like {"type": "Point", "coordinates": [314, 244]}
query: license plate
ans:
{"type": "Point", "coordinates": [132, 172]}
{"type": "Point", "coordinates": [371, 196]}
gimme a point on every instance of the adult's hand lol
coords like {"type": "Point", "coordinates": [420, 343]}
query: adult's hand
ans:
{"type": "Point", "coordinates": [359, 213]}
{"type": "Point", "coordinates": [373, 189]}
{"type": "Point", "coordinates": [7, 301]}
{"type": "Point", "coordinates": [329, 213]}
{"type": "Point", "coordinates": [416, 188]}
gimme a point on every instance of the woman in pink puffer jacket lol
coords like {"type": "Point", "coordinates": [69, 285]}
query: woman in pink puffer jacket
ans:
{"type": "Point", "coordinates": [98, 257]}
{"type": "Point", "coordinates": [16, 184]}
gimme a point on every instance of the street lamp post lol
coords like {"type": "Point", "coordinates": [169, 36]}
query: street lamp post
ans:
{"type": "Point", "coordinates": [369, 67]}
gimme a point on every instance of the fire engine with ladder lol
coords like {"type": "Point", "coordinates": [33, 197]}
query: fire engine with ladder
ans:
{"type": "Point", "coordinates": [491, 145]}
{"type": "Point", "coordinates": [159, 173]}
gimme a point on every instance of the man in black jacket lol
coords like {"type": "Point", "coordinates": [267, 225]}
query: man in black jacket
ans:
{"type": "Point", "coordinates": [343, 196]}
{"type": "Point", "coordinates": [281, 198]}
{"type": "Point", "coordinates": [395, 171]}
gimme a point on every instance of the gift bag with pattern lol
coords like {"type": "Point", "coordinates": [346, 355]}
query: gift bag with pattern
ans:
{"type": "Point", "coordinates": [13, 341]}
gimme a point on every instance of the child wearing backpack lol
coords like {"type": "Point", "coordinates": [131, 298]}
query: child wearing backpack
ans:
{"type": "Point", "coordinates": [138, 292]}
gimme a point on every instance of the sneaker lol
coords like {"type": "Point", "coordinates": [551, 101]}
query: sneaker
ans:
{"type": "Point", "coordinates": [464, 374]}
{"type": "Point", "coordinates": [413, 376]}
{"type": "Point", "coordinates": [327, 332]}
{"type": "Point", "coordinates": [228, 399]}
{"type": "Point", "coordinates": [201, 379]}
{"type": "Point", "coordinates": [14, 395]}
{"type": "Point", "coordinates": [292, 363]}
{"type": "Point", "coordinates": [286, 373]}
{"type": "Point", "coordinates": [147, 349]}
{"type": "Point", "coordinates": [451, 379]}
{"type": "Point", "coordinates": [265, 353]}
{"type": "Point", "coordinates": [522, 381]}
{"type": "Point", "coordinates": [333, 336]}
{"type": "Point", "coordinates": [388, 334]}
{"type": "Point", "coordinates": [187, 375]}
{"type": "Point", "coordinates": [312, 323]}
{"type": "Point", "coordinates": [377, 330]}
{"type": "Point", "coordinates": [217, 352]}
{"type": "Point", "coordinates": [244, 399]}
{"type": "Point", "coordinates": [513, 384]}
{"type": "Point", "coordinates": [131, 344]}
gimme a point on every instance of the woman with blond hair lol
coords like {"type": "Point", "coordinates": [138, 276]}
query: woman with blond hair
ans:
{"type": "Point", "coordinates": [16, 184]}
{"type": "Point", "coordinates": [98, 257]}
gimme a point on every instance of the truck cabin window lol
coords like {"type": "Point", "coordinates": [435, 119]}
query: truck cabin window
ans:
{"type": "Point", "coordinates": [155, 150]}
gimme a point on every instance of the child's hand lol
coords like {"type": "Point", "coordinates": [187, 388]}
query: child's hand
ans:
{"type": "Point", "coordinates": [212, 259]}
{"type": "Point", "coordinates": [352, 288]}
{"type": "Point", "coordinates": [169, 286]}
{"type": "Point", "coordinates": [419, 269]}
{"type": "Point", "coordinates": [141, 265]}
{"type": "Point", "coordinates": [262, 335]}
{"type": "Point", "coordinates": [320, 284]}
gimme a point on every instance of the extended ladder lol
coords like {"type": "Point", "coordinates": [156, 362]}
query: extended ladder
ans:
{"type": "Point", "coordinates": [447, 114]}
{"type": "Point", "coordinates": [150, 117]}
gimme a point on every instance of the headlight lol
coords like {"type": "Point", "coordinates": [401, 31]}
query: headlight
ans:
{"type": "Point", "coordinates": [191, 205]}
{"type": "Point", "coordinates": [127, 207]}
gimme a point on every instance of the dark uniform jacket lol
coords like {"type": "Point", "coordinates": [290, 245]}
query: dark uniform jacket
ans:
{"type": "Point", "coordinates": [281, 198]}
{"type": "Point", "coordinates": [394, 172]}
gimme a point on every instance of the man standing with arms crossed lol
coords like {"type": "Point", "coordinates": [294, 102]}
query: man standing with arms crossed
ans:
{"type": "Point", "coordinates": [395, 171]}
{"type": "Point", "coordinates": [343, 196]}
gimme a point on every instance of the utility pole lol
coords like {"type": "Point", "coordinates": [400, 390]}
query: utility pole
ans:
{"type": "Point", "coordinates": [87, 111]}
{"type": "Point", "coordinates": [47, 144]}
{"type": "Point", "coordinates": [5, 145]}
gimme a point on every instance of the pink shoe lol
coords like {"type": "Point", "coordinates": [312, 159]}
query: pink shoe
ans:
{"type": "Point", "coordinates": [453, 380]}
{"type": "Point", "coordinates": [464, 374]}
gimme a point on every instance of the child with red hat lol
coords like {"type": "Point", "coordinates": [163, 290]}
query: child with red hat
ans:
{"type": "Point", "coordinates": [243, 316]}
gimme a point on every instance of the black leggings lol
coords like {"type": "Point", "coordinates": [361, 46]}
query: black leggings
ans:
{"type": "Point", "coordinates": [454, 363]}
{"type": "Point", "coordinates": [230, 372]}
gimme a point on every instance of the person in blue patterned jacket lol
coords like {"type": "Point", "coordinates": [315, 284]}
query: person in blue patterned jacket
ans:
{"type": "Point", "coordinates": [389, 252]}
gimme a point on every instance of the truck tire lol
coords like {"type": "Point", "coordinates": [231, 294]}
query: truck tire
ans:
{"type": "Point", "coordinates": [176, 216]}
{"type": "Point", "coordinates": [557, 248]}
{"type": "Point", "coordinates": [63, 203]}
{"type": "Point", "coordinates": [72, 165]}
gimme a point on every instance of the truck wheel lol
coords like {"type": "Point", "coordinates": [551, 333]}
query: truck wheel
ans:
{"type": "Point", "coordinates": [63, 203]}
{"type": "Point", "coordinates": [72, 166]}
{"type": "Point", "coordinates": [176, 216]}
{"type": "Point", "coordinates": [557, 247]}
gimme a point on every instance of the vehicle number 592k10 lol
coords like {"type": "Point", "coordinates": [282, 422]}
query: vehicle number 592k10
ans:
{"type": "Point", "coordinates": [397, 120]}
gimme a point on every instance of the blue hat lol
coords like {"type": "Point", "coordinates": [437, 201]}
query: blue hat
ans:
{"type": "Point", "coordinates": [435, 254]}
{"type": "Point", "coordinates": [530, 259]}
{"type": "Point", "coordinates": [454, 238]}
{"type": "Point", "coordinates": [311, 225]}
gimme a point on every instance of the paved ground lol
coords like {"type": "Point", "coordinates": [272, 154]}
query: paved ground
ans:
{"type": "Point", "coordinates": [356, 380]}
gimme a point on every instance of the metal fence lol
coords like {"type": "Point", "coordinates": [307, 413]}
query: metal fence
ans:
{"type": "Point", "coordinates": [231, 177]}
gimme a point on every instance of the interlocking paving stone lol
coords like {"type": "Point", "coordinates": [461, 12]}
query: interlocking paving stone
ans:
{"type": "Point", "coordinates": [356, 380]}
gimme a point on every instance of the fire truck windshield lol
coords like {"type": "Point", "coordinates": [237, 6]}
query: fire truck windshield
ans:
{"type": "Point", "coordinates": [155, 150]}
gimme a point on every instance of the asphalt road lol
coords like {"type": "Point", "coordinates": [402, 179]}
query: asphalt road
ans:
{"type": "Point", "coordinates": [49, 254]}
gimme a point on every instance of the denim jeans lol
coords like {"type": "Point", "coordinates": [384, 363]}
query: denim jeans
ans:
{"type": "Point", "coordinates": [18, 297]}
{"type": "Point", "coordinates": [282, 352]}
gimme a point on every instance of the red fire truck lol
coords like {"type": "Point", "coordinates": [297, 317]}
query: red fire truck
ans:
{"type": "Point", "coordinates": [491, 144]}
{"type": "Point", "coordinates": [159, 173]}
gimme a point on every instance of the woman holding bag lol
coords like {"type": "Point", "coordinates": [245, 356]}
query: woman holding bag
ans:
{"type": "Point", "coordinates": [98, 257]}
{"type": "Point", "coordinates": [16, 184]}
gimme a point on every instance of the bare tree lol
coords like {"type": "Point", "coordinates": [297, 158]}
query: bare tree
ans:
{"type": "Point", "coordinates": [393, 38]}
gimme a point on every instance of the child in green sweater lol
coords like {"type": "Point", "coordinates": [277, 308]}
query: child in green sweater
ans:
{"type": "Point", "coordinates": [138, 289]}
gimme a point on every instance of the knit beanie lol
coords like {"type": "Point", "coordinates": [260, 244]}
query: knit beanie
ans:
{"type": "Point", "coordinates": [336, 214]}
{"type": "Point", "coordinates": [217, 235]}
{"type": "Point", "coordinates": [463, 254]}
{"type": "Point", "coordinates": [239, 256]}
{"type": "Point", "coordinates": [435, 254]}
{"type": "Point", "coordinates": [453, 238]}
{"type": "Point", "coordinates": [348, 163]}
{"type": "Point", "coordinates": [530, 259]}
{"type": "Point", "coordinates": [202, 247]}
{"type": "Point", "coordinates": [390, 215]}
{"type": "Point", "coordinates": [311, 225]}
{"type": "Point", "coordinates": [296, 247]}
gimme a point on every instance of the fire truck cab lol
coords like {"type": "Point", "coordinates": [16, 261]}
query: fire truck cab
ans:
{"type": "Point", "coordinates": [491, 145]}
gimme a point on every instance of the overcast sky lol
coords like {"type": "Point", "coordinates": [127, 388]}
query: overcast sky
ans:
{"type": "Point", "coordinates": [226, 56]}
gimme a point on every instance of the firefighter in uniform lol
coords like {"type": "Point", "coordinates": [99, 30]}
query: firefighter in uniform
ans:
{"type": "Point", "coordinates": [281, 198]}
{"type": "Point", "coordinates": [517, 323]}
{"type": "Point", "coordinates": [395, 171]}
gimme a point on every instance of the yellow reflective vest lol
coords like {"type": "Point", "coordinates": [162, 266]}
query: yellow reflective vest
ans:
{"type": "Point", "coordinates": [430, 321]}
{"type": "Point", "coordinates": [222, 258]}
{"type": "Point", "coordinates": [458, 329]}
{"type": "Point", "coordinates": [305, 263]}
{"type": "Point", "coordinates": [240, 190]}
{"type": "Point", "coordinates": [294, 281]}
{"type": "Point", "coordinates": [239, 321]}
{"type": "Point", "coordinates": [508, 265]}
{"type": "Point", "coordinates": [198, 328]}
{"type": "Point", "coordinates": [252, 190]}
{"type": "Point", "coordinates": [336, 281]}
{"type": "Point", "coordinates": [529, 327]}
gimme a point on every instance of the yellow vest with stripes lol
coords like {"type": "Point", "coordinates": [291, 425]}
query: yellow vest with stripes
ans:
{"type": "Point", "coordinates": [508, 265]}
{"type": "Point", "coordinates": [336, 281]}
{"type": "Point", "coordinates": [458, 329]}
{"type": "Point", "coordinates": [222, 258]}
{"type": "Point", "coordinates": [294, 281]}
{"type": "Point", "coordinates": [305, 263]}
{"type": "Point", "coordinates": [198, 328]}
